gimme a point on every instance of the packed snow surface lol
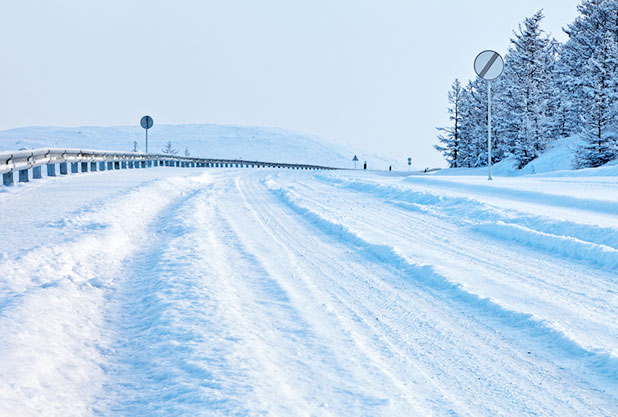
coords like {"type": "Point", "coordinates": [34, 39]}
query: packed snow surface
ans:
{"type": "Point", "coordinates": [171, 291]}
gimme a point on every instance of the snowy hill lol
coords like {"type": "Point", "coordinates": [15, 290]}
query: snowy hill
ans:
{"type": "Point", "coordinates": [557, 160]}
{"type": "Point", "coordinates": [205, 140]}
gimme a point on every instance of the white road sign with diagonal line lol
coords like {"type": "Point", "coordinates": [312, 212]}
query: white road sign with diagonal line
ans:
{"type": "Point", "coordinates": [488, 65]}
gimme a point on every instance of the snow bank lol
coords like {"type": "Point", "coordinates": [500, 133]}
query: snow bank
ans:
{"type": "Point", "coordinates": [557, 160]}
{"type": "Point", "coordinates": [53, 299]}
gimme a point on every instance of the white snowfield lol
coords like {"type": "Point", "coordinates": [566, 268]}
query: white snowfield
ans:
{"type": "Point", "coordinates": [266, 292]}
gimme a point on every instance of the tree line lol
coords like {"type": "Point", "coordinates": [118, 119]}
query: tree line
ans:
{"type": "Point", "coordinates": [548, 90]}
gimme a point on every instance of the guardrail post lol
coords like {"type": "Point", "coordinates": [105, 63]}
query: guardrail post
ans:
{"type": "Point", "coordinates": [74, 168]}
{"type": "Point", "coordinates": [7, 178]}
{"type": "Point", "coordinates": [63, 168]}
{"type": "Point", "coordinates": [23, 175]}
{"type": "Point", "coordinates": [84, 166]}
{"type": "Point", "coordinates": [36, 172]}
{"type": "Point", "coordinates": [51, 170]}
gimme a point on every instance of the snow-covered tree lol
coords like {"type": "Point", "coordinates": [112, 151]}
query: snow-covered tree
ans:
{"type": "Point", "coordinates": [586, 35]}
{"type": "Point", "coordinates": [528, 99]}
{"type": "Point", "coordinates": [473, 147]}
{"type": "Point", "coordinates": [450, 137]}
{"type": "Point", "coordinates": [547, 90]}
{"type": "Point", "coordinates": [187, 152]}
{"type": "Point", "coordinates": [599, 83]}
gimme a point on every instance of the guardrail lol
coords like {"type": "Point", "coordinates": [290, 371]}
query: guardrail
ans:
{"type": "Point", "coordinates": [78, 160]}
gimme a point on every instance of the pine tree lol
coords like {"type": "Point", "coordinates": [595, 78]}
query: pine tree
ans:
{"type": "Point", "coordinates": [474, 125]}
{"type": "Point", "coordinates": [466, 153]}
{"type": "Point", "coordinates": [586, 35]}
{"type": "Point", "coordinates": [599, 83]}
{"type": "Point", "coordinates": [168, 149]}
{"type": "Point", "coordinates": [450, 137]}
{"type": "Point", "coordinates": [528, 97]}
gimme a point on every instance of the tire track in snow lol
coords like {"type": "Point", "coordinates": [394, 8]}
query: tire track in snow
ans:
{"type": "Point", "coordinates": [597, 361]}
{"type": "Point", "coordinates": [471, 211]}
{"type": "Point", "coordinates": [551, 374]}
{"type": "Point", "coordinates": [534, 197]}
{"type": "Point", "coordinates": [516, 277]}
{"type": "Point", "coordinates": [206, 330]}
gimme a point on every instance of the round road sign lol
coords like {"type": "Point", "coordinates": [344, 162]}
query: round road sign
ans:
{"type": "Point", "coordinates": [489, 65]}
{"type": "Point", "coordinates": [146, 122]}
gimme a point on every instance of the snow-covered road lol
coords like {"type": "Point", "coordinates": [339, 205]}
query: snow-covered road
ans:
{"type": "Point", "coordinates": [269, 292]}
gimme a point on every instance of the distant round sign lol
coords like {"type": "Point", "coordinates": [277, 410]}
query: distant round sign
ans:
{"type": "Point", "coordinates": [489, 65]}
{"type": "Point", "coordinates": [146, 122]}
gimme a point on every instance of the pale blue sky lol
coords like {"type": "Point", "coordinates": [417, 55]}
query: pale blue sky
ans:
{"type": "Point", "coordinates": [373, 74]}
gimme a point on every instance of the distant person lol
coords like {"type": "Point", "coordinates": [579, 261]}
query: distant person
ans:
{"type": "Point", "coordinates": [365, 165]}
{"type": "Point", "coordinates": [390, 168]}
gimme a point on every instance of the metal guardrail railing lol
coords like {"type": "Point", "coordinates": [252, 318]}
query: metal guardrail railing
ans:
{"type": "Point", "coordinates": [91, 160]}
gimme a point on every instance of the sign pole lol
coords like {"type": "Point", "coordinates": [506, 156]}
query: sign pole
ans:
{"type": "Point", "coordinates": [146, 140]}
{"type": "Point", "coordinates": [489, 65]}
{"type": "Point", "coordinates": [489, 128]}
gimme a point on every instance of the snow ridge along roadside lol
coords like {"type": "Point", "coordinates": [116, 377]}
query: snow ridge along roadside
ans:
{"type": "Point", "coordinates": [52, 303]}
{"type": "Point", "coordinates": [596, 360]}
{"type": "Point", "coordinates": [590, 243]}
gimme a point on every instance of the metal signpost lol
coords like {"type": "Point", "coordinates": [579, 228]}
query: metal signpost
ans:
{"type": "Point", "coordinates": [489, 66]}
{"type": "Point", "coordinates": [409, 163]}
{"type": "Point", "coordinates": [355, 159]}
{"type": "Point", "coordinates": [146, 123]}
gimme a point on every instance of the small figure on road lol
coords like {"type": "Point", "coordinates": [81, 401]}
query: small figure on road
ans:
{"type": "Point", "coordinates": [390, 168]}
{"type": "Point", "coordinates": [365, 165]}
